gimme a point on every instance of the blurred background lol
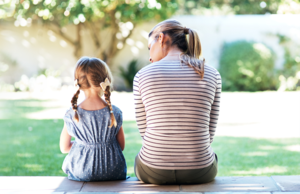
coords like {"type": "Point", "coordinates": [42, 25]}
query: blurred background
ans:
{"type": "Point", "coordinates": [254, 45]}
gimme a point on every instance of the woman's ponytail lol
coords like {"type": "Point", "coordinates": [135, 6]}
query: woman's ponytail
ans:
{"type": "Point", "coordinates": [191, 57]}
{"type": "Point", "coordinates": [194, 45]}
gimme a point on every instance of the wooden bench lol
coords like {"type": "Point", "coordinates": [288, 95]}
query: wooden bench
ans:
{"type": "Point", "coordinates": [61, 185]}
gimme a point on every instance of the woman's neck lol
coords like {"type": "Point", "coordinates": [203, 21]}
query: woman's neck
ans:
{"type": "Point", "coordinates": [173, 54]}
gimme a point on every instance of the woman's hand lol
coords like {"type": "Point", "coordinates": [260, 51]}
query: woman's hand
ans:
{"type": "Point", "coordinates": [121, 138]}
{"type": "Point", "coordinates": [65, 143]}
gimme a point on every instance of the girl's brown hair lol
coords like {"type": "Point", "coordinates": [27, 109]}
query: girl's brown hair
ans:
{"type": "Point", "coordinates": [191, 48]}
{"type": "Point", "coordinates": [91, 72]}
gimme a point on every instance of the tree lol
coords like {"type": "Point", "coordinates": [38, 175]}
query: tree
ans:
{"type": "Point", "coordinates": [117, 17]}
{"type": "Point", "coordinates": [240, 6]}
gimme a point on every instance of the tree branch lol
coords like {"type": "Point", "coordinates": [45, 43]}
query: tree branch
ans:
{"type": "Point", "coordinates": [94, 33]}
{"type": "Point", "coordinates": [78, 46]}
{"type": "Point", "coordinates": [58, 30]}
{"type": "Point", "coordinates": [95, 30]}
{"type": "Point", "coordinates": [123, 42]}
{"type": "Point", "coordinates": [115, 29]}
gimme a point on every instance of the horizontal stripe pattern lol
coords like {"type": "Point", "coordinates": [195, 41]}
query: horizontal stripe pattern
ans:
{"type": "Point", "coordinates": [177, 115]}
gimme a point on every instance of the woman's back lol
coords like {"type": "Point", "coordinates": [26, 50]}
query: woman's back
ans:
{"type": "Point", "coordinates": [95, 154]}
{"type": "Point", "coordinates": [176, 114]}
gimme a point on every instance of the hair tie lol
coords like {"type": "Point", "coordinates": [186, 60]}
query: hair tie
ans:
{"type": "Point", "coordinates": [105, 84]}
{"type": "Point", "coordinates": [76, 83]}
{"type": "Point", "coordinates": [186, 30]}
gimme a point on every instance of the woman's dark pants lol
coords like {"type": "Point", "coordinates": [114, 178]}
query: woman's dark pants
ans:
{"type": "Point", "coordinates": [160, 177]}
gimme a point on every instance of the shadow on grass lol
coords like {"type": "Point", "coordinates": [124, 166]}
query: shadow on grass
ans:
{"type": "Point", "coordinates": [35, 151]}
{"type": "Point", "coordinates": [30, 147]}
{"type": "Point", "coordinates": [19, 108]}
{"type": "Point", "coordinates": [241, 156]}
{"type": "Point", "coordinates": [238, 156]}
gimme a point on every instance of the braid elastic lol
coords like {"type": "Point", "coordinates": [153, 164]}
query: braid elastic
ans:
{"type": "Point", "coordinates": [74, 105]}
{"type": "Point", "coordinates": [107, 99]}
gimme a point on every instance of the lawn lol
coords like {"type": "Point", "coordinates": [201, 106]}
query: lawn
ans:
{"type": "Point", "coordinates": [30, 147]}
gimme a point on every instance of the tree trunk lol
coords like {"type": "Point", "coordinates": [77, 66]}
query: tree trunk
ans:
{"type": "Point", "coordinates": [77, 43]}
{"type": "Point", "coordinates": [112, 50]}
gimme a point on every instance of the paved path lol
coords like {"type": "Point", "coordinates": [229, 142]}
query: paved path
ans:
{"type": "Point", "coordinates": [221, 185]}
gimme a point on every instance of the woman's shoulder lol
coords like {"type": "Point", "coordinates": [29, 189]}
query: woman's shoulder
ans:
{"type": "Point", "coordinates": [210, 69]}
{"type": "Point", "coordinates": [150, 66]}
{"type": "Point", "coordinates": [147, 67]}
{"type": "Point", "coordinates": [158, 65]}
{"type": "Point", "coordinates": [212, 75]}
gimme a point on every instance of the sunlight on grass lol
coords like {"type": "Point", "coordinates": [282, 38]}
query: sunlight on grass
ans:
{"type": "Point", "coordinates": [130, 170]}
{"type": "Point", "coordinates": [24, 155]}
{"type": "Point", "coordinates": [294, 148]}
{"type": "Point", "coordinates": [16, 142]}
{"type": "Point", "coordinates": [261, 171]}
{"type": "Point", "coordinates": [6, 169]}
{"type": "Point", "coordinates": [268, 147]}
{"type": "Point", "coordinates": [48, 104]}
{"type": "Point", "coordinates": [50, 113]}
{"type": "Point", "coordinates": [30, 147]}
{"type": "Point", "coordinates": [255, 154]}
{"type": "Point", "coordinates": [34, 167]}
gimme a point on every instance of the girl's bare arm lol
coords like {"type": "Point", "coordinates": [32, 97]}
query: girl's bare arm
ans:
{"type": "Point", "coordinates": [65, 143]}
{"type": "Point", "coordinates": [121, 138]}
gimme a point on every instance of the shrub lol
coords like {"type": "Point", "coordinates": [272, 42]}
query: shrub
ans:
{"type": "Point", "coordinates": [290, 73]}
{"type": "Point", "coordinates": [247, 66]}
{"type": "Point", "coordinates": [129, 73]}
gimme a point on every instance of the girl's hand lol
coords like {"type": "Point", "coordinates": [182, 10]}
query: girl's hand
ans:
{"type": "Point", "coordinates": [65, 143]}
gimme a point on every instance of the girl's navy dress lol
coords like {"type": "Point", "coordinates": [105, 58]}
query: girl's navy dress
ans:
{"type": "Point", "coordinates": [96, 154]}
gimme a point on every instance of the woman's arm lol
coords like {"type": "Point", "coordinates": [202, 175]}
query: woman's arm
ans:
{"type": "Point", "coordinates": [121, 138]}
{"type": "Point", "coordinates": [140, 113]}
{"type": "Point", "coordinates": [65, 143]}
{"type": "Point", "coordinates": [215, 108]}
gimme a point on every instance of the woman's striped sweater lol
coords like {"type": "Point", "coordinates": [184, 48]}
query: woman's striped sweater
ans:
{"type": "Point", "coordinates": [177, 114]}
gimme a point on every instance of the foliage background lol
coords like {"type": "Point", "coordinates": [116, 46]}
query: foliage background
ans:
{"type": "Point", "coordinates": [110, 25]}
{"type": "Point", "coordinates": [247, 66]}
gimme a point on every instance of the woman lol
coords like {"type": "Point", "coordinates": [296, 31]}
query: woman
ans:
{"type": "Point", "coordinates": [177, 100]}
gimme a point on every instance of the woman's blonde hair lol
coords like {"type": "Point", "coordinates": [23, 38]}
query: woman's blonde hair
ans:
{"type": "Point", "coordinates": [91, 72]}
{"type": "Point", "coordinates": [191, 48]}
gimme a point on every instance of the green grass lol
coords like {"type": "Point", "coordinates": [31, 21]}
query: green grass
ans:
{"type": "Point", "coordinates": [30, 147]}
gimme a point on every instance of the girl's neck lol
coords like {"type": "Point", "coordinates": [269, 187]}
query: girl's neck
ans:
{"type": "Point", "coordinates": [91, 93]}
{"type": "Point", "coordinates": [92, 101]}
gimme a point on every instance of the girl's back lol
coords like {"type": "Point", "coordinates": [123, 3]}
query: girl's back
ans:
{"type": "Point", "coordinates": [96, 154]}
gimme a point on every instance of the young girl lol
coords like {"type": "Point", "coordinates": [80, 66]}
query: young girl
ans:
{"type": "Point", "coordinates": [96, 154]}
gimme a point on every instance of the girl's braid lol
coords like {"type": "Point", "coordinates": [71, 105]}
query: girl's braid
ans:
{"type": "Point", "coordinates": [107, 99]}
{"type": "Point", "coordinates": [74, 104]}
